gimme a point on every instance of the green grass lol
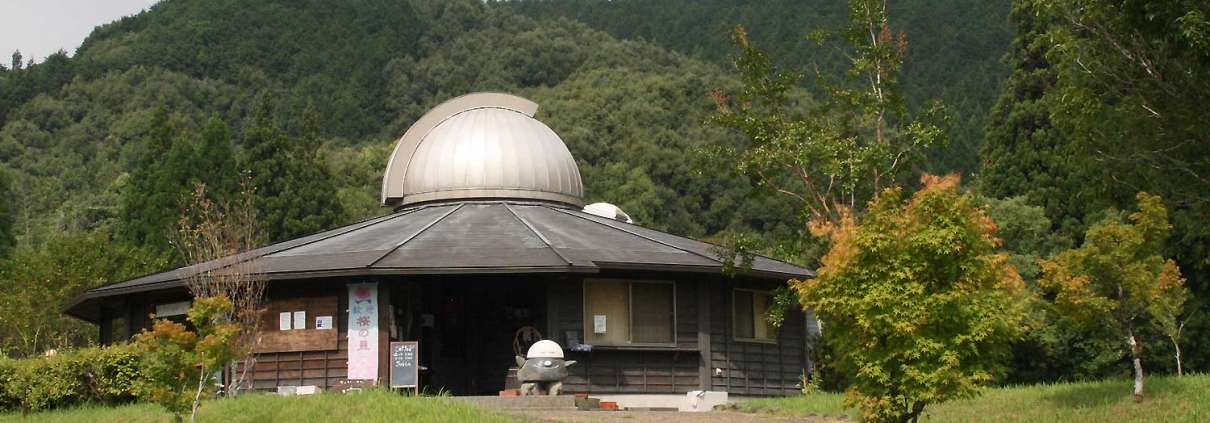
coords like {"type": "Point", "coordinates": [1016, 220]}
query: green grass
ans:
{"type": "Point", "coordinates": [1167, 399]}
{"type": "Point", "coordinates": [367, 407]}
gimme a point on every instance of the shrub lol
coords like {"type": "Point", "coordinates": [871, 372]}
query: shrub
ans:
{"type": "Point", "coordinates": [85, 376]}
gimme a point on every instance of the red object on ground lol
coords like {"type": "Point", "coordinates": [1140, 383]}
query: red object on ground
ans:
{"type": "Point", "coordinates": [510, 393]}
{"type": "Point", "coordinates": [609, 405]}
{"type": "Point", "coordinates": [581, 395]}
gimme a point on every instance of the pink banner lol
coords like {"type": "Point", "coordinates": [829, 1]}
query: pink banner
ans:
{"type": "Point", "coordinates": [363, 331]}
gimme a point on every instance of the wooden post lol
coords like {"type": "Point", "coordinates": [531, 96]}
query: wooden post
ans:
{"type": "Point", "coordinates": [106, 322]}
{"type": "Point", "coordinates": [704, 373]}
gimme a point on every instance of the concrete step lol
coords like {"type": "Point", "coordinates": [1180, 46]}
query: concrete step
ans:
{"type": "Point", "coordinates": [563, 402]}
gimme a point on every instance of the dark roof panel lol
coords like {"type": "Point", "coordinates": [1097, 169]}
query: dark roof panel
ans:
{"type": "Point", "coordinates": [481, 237]}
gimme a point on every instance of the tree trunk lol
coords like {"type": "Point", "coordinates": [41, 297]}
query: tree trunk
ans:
{"type": "Point", "coordinates": [1179, 370]}
{"type": "Point", "coordinates": [1136, 353]}
{"type": "Point", "coordinates": [197, 398]}
{"type": "Point", "coordinates": [917, 409]}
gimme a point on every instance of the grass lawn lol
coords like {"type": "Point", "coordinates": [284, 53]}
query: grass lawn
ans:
{"type": "Point", "coordinates": [1168, 399]}
{"type": "Point", "coordinates": [369, 407]}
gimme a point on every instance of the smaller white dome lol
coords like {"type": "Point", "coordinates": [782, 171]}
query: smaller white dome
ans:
{"type": "Point", "coordinates": [544, 349]}
{"type": "Point", "coordinates": [608, 211]}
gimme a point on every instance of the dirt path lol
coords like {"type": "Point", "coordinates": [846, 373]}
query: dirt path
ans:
{"type": "Point", "coordinates": [570, 416]}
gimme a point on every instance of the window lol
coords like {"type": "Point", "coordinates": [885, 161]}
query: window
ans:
{"type": "Point", "coordinates": [750, 309]}
{"type": "Point", "coordinates": [629, 312]}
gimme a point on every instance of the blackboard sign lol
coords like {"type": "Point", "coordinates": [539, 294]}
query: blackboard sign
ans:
{"type": "Point", "coordinates": [405, 364]}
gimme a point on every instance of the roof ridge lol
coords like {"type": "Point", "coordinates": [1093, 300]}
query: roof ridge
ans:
{"type": "Point", "coordinates": [644, 236]}
{"type": "Point", "coordinates": [413, 236]}
{"type": "Point", "coordinates": [538, 233]}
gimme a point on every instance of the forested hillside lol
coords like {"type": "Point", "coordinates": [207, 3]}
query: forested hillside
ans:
{"type": "Point", "coordinates": [101, 144]}
{"type": "Point", "coordinates": [96, 150]}
{"type": "Point", "coordinates": [955, 47]}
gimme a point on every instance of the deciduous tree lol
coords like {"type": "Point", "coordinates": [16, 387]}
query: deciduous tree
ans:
{"type": "Point", "coordinates": [916, 301]}
{"type": "Point", "coordinates": [857, 141]}
{"type": "Point", "coordinates": [177, 364]}
{"type": "Point", "coordinates": [1119, 278]}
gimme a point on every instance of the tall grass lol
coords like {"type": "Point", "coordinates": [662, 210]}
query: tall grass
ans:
{"type": "Point", "coordinates": [1168, 399]}
{"type": "Point", "coordinates": [366, 407]}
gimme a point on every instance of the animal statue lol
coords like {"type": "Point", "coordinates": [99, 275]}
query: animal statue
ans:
{"type": "Point", "coordinates": [543, 369]}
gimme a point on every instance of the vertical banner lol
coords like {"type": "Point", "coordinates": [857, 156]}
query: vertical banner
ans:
{"type": "Point", "coordinates": [363, 331]}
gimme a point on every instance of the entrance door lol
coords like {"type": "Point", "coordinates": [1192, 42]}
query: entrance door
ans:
{"type": "Point", "coordinates": [478, 320]}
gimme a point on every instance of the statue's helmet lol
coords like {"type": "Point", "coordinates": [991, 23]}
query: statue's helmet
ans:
{"type": "Point", "coordinates": [545, 349]}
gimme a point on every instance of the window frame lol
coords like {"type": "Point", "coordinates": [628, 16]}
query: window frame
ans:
{"type": "Point", "coordinates": [734, 333]}
{"type": "Point", "coordinates": [587, 327]}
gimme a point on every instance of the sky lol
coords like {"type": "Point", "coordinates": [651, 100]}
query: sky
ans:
{"type": "Point", "coordinates": [41, 27]}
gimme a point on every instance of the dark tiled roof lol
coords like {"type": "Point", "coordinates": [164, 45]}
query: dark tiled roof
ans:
{"type": "Point", "coordinates": [480, 237]}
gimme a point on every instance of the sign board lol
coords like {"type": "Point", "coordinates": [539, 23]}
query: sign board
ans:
{"type": "Point", "coordinates": [363, 331]}
{"type": "Point", "coordinates": [405, 364]}
{"type": "Point", "coordinates": [172, 309]}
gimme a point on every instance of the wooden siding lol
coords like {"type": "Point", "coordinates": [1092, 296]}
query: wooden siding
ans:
{"type": "Point", "coordinates": [749, 367]}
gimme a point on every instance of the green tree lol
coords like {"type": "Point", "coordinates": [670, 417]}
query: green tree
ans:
{"type": "Point", "coordinates": [313, 205]}
{"type": "Point", "coordinates": [36, 278]}
{"type": "Point", "coordinates": [7, 239]}
{"type": "Point", "coordinates": [295, 195]}
{"type": "Point", "coordinates": [216, 160]}
{"type": "Point", "coordinates": [1027, 234]}
{"type": "Point", "coordinates": [1024, 154]}
{"type": "Point", "coordinates": [178, 364]}
{"type": "Point", "coordinates": [145, 219]}
{"type": "Point", "coordinates": [847, 149]}
{"type": "Point", "coordinates": [267, 159]}
{"type": "Point", "coordinates": [917, 302]}
{"type": "Point", "coordinates": [1119, 278]}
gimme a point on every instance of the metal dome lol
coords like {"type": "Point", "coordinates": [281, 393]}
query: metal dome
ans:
{"type": "Point", "coordinates": [483, 145]}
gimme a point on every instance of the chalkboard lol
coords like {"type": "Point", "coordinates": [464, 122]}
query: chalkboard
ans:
{"type": "Point", "coordinates": [405, 364]}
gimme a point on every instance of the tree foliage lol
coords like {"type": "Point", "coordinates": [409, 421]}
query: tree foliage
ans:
{"type": "Point", "coordinates": [1024, 154]}
{"type": "Point", "coordinates": [919, 305]}
{"type": "Point", "coordinates": [954, 53]}
{"type": "Point", "coordinates": [1119, 278]}
{"type": "Point", "coordinates": [35, 280]}
{"type": "Point", "coordinates": [295, 195]}
{"type": "Point", "coordinates": [177, 363]}
{"type": "Point", "coordinates": [847, 149]}
{"type": "Point", "coordinates": [7, 240]}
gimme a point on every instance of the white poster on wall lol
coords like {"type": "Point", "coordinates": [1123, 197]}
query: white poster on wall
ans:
{"type": "Point", "coordinates": [363, 331]}
{"type": "Point", "coordinates": [283, 320]}
{"type": "Point", "coordinates": [598, 323]}
{"type": "Point", "coordinates": [300, 320]}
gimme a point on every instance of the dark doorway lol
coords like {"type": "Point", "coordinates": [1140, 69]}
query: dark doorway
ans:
{"type": "Point", "coordinates": [480, 322]}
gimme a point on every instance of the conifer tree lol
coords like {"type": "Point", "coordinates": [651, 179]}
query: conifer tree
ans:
{"type": "Point", "coordinates": [313, 205]}
{"type": "Point", "coordinates": [266, 158]}
{"type": "Point", "coordinates": [216, 160]}
{"type": "Point", "coordinates": [7, 240]}
{"type": "Point", "coordinates": [141, 222]}
{"type": "Point", "coordinates": [295, 195]}
{"type": "Point", "coordinates": [1024, 154]}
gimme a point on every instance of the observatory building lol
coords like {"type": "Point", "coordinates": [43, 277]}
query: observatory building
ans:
{"type": "Point", "coordinates": [488, 250]}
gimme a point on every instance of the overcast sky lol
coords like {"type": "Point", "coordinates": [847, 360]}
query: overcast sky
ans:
{"type": "Point", "coordinates": [41, 27]}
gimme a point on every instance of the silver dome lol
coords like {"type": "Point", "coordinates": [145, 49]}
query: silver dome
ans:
{"type": "Point", "coordinates": [483, 145]}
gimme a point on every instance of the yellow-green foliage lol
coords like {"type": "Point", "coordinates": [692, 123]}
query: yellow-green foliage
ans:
{"type": "Point", "coordinates": [918, 304]}
{"type": "Point", "coordinates": [67, 379]}
{"type": "Point", "coordinates": [1118, 277]}
{"type": "Point", "coordinates": [176, 362]}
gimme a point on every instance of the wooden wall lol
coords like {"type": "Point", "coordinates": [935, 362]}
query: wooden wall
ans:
{"type": "Point", "coordinates": [327, 369]}
{"type": "Point", "coordinates": [749, 368]}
